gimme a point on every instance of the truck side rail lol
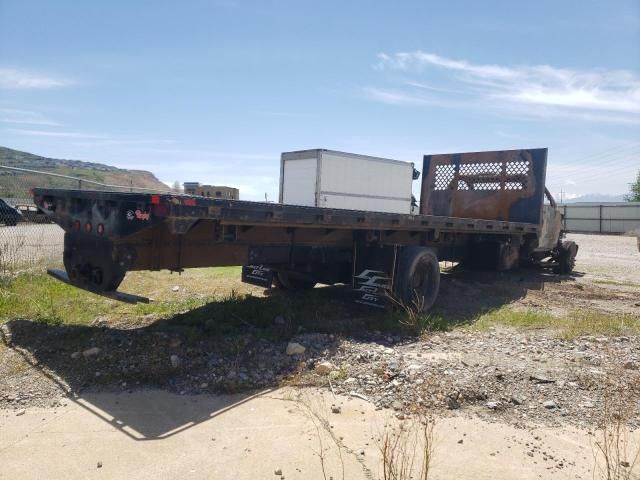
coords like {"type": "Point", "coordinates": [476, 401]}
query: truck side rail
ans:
{"type": "Point", "coordinates": [121, 214]}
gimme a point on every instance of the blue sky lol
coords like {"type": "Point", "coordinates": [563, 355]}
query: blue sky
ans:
{"type": "Point", "coordinates": [214, 90]}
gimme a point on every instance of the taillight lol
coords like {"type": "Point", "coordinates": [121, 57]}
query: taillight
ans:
{"type": "Point", "coordinates": [100, 229]}
{"type": "Point", "coordinates": [76, 226]}
{"type": "Point", "coordinates": [87, 227]}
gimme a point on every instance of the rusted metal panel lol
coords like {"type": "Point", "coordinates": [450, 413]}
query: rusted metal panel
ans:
{"type": "Point", "coordinates": [506, 185]}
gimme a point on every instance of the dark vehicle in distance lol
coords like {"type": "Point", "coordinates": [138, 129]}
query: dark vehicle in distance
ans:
{"type": "Point", "coordinates": [9, 215]}
{"type": "Point", "coordinates": [31, 213]}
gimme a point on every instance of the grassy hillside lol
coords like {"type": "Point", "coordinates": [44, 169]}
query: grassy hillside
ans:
{"type": "Point", "coordinates": [17, 185]}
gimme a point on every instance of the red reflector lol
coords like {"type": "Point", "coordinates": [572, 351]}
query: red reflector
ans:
{"type": "Point", "coordinates": [100, 229]}
{"type": "Point", "coordinates": [76, 226]}
{"type": "Point", "coordinates": [191, 202]}
{"type": "Point", "coordinates": [155, 199]}
{"type": "Point", "coordinates": [87, 227]}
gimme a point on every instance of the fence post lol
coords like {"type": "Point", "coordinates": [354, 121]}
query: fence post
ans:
{"type": "Point", "coordinates": [79, 184]}
{"type": "Point", "coordinates": [600, 218]}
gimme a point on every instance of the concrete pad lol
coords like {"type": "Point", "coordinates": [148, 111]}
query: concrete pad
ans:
{"type": "Point", "coordinates": [157, 435]}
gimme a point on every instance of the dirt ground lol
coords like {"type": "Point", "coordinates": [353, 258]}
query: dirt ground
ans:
{"type": "Point", "coordinates": [606, 279]}
{"type": "Point", "coordinates": [124, 399]}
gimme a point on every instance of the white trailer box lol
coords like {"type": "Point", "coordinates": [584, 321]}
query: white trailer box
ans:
{"type": "Point", "coordinates": [330, 179]}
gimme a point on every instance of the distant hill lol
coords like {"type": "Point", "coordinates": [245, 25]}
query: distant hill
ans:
{"type": "Point", "coordinates": [17, 184]}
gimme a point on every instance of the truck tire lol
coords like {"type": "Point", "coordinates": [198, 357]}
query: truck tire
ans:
{"type": "Point", "coordinates": [418, 278]}
{"type": "Point", "coordinates": [287, 281]}
{"type": "Point", "coordinates": [566, 258]}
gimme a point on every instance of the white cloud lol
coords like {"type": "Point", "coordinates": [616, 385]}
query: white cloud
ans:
{"type": "Point", "coordinates": [50, 133]}
{"type": "Point", "coordinates": [11, 78]}
{"type": "Point", "coordinates": [105, 141]}
{"type": "Point", "coordinates": [392, 97]}
{"type": "Point", "coordinates": [25, 117]}
{"type": "Point", "coordinates": [597, 94]}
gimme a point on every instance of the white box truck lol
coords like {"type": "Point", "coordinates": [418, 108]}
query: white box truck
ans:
{"type": "Point", "coordinates": [331, 179]}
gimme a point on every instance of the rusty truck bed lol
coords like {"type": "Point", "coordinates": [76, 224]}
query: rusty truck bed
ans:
{"type": "Point", "coordinates": [474, 206]}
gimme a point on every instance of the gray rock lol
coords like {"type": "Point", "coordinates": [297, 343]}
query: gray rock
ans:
{"type": "Point", "coordinates": [550, 404]}
{"type": "Point", "coordinates": [175, 361]}
{"type": "Point", "coordinates": [631, 365]}
{"type": "Point", "coordinates": [325, 368]}
{"type": "Point", "coordinates": [336, 409]}
{"type": "Point", "coordinates": [20, 412]}
{"type": "Point", "coordinates": [278, 471]}
{"type": "Point", "coordinates": [493, 405]}
{"type": "Point", "coordinates": [294, 348]}
{"type": "Point", "coordinates": [90, 352]}
{"type": "Point", "coordinates": [175, 289]}
{"type": "Point", "coordinates": [75, 355]}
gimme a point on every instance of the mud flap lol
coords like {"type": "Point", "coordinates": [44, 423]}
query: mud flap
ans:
{"type": "Point", "coordinates": [373, 274]}
{"type": "Point", "coordinates": [258, 275]}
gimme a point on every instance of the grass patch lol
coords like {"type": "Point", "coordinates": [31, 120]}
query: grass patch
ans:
{"type": "Point", "coordinates": [37, 296]}
{"type": "Point", "coordinates": [577, 322]}
{"type": "Point", "coordinates": [207, 301]}
{"type": "Point", "coordinates": [213, 301]}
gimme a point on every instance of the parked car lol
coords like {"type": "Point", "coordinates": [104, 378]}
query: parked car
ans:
{"type": "Point", "coordinates": [9, 215]}
{"type": "Point", "coordinates": [31, 213]}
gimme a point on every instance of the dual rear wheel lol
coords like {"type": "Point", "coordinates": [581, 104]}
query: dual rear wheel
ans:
{"type": "Point", "coordinates": [417, 278]}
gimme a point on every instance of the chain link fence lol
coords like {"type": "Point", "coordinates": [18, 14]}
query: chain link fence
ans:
{"type": "Point", "coordinates": [28, 239]}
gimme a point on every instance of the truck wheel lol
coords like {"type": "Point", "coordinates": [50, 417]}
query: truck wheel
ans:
{"type": "Point", "coordinates": [566, 258]}
{"type": "Point", "coordinates": [418, 278]}
{"type": "Point", "coordinates": [98, 276]}
{"type": "Point", "coordinates": [287, 281]}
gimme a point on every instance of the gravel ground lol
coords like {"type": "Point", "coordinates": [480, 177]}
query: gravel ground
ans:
{"type": "Point", "coordinates": [608, 257]}
{"type": "Point", "coordinates": [28, 244]}
{"type": "Point", "coordinates": [517, 376]}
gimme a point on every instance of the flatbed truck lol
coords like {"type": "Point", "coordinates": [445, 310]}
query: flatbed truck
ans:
{"type": "Point", "coordinates": [484, 209]}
